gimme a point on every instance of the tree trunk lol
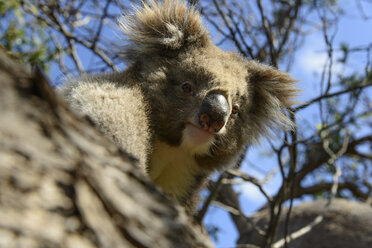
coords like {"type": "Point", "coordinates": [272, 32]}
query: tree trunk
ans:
{"type": "Point", "coordinates": [62, 184]}
{"type": "Point", "coordinates": [345, 224]}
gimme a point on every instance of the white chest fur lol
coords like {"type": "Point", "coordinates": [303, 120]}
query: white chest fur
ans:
{"type": "Point", "coordinates": [173, 169]}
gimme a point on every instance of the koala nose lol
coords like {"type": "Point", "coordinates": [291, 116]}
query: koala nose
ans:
{"type": "Point", "coordinates": [213, 112]}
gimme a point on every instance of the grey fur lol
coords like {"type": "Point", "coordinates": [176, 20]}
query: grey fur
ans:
{"type": "Point", "coordinates": [146, 111]}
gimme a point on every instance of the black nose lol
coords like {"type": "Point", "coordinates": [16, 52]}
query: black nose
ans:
{"type": "Point", "coordinates": [213, 112]}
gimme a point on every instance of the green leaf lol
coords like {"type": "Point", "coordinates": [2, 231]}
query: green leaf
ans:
{"type": "Point", "coordinates": [33, 9]}
{"type": "Point", "coordinates": [19, 15]}
{"type": "Point", "coordinates": [344, 47]}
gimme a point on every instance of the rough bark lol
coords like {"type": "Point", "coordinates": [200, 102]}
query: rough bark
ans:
{"type": "Point", "coordinates": [346, 224]}
{"type": "Point", "coordinates": [62, 184]}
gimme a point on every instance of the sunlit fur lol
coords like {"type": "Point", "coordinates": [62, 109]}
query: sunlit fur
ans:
{"type": "Point", "coordinates": [144, 110]}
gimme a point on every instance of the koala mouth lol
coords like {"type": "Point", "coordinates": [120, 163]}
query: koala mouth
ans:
{"type": "Point", "coordinates": [196, 135]}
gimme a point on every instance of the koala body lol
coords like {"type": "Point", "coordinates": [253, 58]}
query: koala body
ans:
{"type": "Point", "coordinates": [183, 107]}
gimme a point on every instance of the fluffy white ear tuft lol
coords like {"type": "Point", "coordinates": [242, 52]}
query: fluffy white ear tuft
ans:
{"type": "Point", "coordinates": [162, 28]}
{"type": "Point", "coordinates": [175, 40]}
{"type": "Point", "coordinates": [272, 92]}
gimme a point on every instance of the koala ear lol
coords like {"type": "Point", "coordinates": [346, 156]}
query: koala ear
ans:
{"type": "Point", "coordinates": [162, 28]}
{"type": "Point", "coordinates": [272, 92]}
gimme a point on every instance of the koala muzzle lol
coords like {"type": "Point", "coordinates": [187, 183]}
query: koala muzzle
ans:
{"type": "Point", "coordinates": [214, 112]}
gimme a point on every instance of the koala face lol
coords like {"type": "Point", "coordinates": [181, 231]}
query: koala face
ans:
{"type": "Point", "coordinates": [199, 100]}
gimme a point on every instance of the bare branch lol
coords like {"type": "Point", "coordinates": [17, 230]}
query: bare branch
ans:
{"type": "Point", "coordinates": [329, 95]}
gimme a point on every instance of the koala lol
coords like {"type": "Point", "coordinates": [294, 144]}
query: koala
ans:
{"type": "Point", "coordinates": [183, 107]}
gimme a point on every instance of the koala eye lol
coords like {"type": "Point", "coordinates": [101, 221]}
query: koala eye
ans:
{"type": "Point", "coordinates": [187, 88]}
{"type": "Point", "coordinates": [235, 109]}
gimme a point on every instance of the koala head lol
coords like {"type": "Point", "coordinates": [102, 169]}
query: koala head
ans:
{"type": "Point", "coordinates": [208, 101]}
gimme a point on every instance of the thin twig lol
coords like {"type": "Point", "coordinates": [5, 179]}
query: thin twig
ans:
{"type": "Point", "coordinates": [329, 95]}
{"type": "Point", "coordinates": [320, 217]}
{"type": "Point", "coordinates": [200, 216]}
